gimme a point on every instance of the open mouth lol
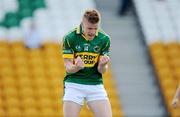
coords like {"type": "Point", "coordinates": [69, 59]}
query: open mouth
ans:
{"type": "Point", "coordinates": [91, 35]}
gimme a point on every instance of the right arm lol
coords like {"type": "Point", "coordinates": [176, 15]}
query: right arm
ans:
{"type": "Point", "coordinates": [175, 99]}
{"type": "Point", "coordinates": [73, 68]}
{"type": "Point", "coordinates": [71, 64]}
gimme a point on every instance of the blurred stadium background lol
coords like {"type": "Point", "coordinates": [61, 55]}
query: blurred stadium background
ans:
{"type": "Point", "coordinates": [145, 61]}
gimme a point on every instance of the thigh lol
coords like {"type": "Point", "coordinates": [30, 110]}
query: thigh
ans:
{"type": "Point", "coordinates": [96, 92]}
{"type": "Point", "coordinates": [73, 92]}
{"type": "Point", "coordinates": [73, 100]}
{"type": "Point", "coordinates": [100, 108]}
{"type": "Point", "coordinates": [71, 109]}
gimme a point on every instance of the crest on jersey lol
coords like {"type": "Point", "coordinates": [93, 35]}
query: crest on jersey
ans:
{"type": "Point", "coordinates": [96, 49]}
{"type": "Point", "coordinates": [86, 47]}
{"type": "Point", "coordinates": [78, 47]}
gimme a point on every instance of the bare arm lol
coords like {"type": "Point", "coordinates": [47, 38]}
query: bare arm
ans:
{"type": "Point", "coordinates": [103, 64]}
{"type": "Point", "coordinates": [102, 69]}
{"type": "Point", "coordinates": [73, 68]}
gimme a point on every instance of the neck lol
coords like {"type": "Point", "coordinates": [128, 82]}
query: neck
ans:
{"type": "Point", "coordinates": [86, 37]}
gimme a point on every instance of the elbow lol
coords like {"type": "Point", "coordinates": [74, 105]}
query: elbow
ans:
{"type": "Point", "coordinates": [102, 69]}
{"type": "Point", "coordinates": [68, 70]}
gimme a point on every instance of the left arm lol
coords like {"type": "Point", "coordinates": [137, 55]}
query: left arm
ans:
{"type": "Point", "coordinates": [104, 58]}
{"type": "Point", "coordinates": [103, 64]}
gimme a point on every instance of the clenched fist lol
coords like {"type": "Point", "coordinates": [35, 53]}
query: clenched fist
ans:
{"type": "Point", "coordinates": [104, 60]}
{"type": "Point", "coordinates": [79, 63]}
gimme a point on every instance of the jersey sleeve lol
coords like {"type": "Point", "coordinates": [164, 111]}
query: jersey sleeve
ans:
{"type": "Point", "coordinates": [67, 49]}
{"type": "Point", "coordinates": [106, 49]}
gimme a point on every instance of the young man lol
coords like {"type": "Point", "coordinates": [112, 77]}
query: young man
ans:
{"type": "Point", "coordinates": [86, 55]}
{"type": "Point", "coordinates": [176, 97]}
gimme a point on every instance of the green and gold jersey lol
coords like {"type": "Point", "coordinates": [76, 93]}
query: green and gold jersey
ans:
{"type": "Point", "coordinates": [75, 44]}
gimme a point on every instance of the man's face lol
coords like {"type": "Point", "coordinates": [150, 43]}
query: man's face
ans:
{"type": "Point", "coordinates": [89, 29]}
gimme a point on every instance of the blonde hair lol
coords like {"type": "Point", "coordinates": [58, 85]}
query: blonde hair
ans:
{"type": "Point", "coordinates": [92, 16]}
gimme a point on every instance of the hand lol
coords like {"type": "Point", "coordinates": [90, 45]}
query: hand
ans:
{"type": "Point", "coordinates": [79, 63]}
{"type": "Point", "coordinates": [175, 103]}
{"type": "Point", "coordinates": [104, 60]}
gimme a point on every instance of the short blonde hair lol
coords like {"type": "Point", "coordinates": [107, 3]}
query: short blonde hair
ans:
{"type": "Point", "coordinates": [92, 16]}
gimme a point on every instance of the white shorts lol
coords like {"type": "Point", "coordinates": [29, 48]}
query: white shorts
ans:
{"type": "Point", "coordinates": [79, 92]}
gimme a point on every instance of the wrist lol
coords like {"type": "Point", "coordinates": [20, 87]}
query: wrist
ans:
{"type": "Point", "coordinates": [102, 65]}
{"type": "Point", "coordinates": [77, 67]}
{"type": "Point", "coordinates": [73, 69]}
